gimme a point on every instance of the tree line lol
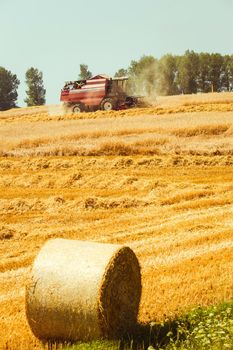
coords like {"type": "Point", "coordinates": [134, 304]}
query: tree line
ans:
{"type": "Point", "coordinates": [186, 74]}
{"type": "Point", "coordinates": [9, 84]}
{"type": "Point", "coordinates": [170, 75]}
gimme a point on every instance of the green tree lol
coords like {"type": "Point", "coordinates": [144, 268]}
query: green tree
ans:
{"type": "Point", "coordinates": [143, 75]}
{"type": "Point", "coordinates": [230, 65]}
{"type": "Point", "coordinates": [8, 89]}
{"type": "Point", "coordinates": [122, 72]}
{"type": "Point", "coordinates": [36, 92]}
{"type": "Point", "coordinates": [167, 73]}
{"type": "Point", "coordinates": [226, 73]}
{"type": "Point", "coordinates": [84, 72]}
{"type": "Point", "coordinates": [215, 73]}
{"type": "Point", "coordinates": [204, 83]}
{"type": "Point", "coordinates": [188, 69]}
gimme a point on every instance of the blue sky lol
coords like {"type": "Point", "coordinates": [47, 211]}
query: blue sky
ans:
{"type": "Point", "coordinates": [55, 36]}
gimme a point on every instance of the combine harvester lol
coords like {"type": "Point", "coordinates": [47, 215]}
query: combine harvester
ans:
{"type": "Point", "coordinates": [98, 92]}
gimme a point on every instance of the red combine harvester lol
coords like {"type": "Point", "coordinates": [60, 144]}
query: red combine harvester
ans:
{"type": "Point", "coordinates": [99, 92]}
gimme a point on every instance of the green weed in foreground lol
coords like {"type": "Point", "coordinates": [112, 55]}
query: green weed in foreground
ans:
{"type": "Point", "coordinates": [200, 329]}
{"type": "Point", "coordinates": [95, 345]}
{"type": "Point", "coordinates": [205, 328]}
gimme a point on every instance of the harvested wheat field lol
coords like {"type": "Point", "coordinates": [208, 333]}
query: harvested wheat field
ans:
{"type": "Point", "coordinates": [157, 179]}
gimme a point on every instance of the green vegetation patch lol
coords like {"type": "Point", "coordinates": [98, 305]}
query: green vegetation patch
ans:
{"type": "Point", "coordinates": [204, 328]}
{"type": "Point", "coordinates": [200, 329]}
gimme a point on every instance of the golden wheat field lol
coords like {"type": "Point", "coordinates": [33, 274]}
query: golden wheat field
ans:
{"type": "Point", "coordinates": [158, 179]}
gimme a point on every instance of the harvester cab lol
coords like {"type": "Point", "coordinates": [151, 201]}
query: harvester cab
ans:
{"type": "Point", "coordinates": [99, 92]}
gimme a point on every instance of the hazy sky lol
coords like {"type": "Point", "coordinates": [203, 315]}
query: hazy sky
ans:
{"type": "Point", "coordinates": [55, 36]}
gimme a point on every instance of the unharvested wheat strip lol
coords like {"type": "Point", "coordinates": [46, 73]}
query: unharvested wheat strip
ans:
{"type": "Point", "coordinates": [176, 240]}
{"type": "Point", "coordinates": [167, 225]}
{"type": "Point", "coordinates": [180, 256]}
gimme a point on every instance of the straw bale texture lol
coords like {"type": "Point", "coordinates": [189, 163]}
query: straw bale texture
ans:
{"type": "Point", "coordinates": [83, 290]}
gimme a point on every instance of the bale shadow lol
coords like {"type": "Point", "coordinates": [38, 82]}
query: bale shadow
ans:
{"type": "Point", "coordinates": [143, 336]}
{"type": "Point", "coordinates": [156, 335]}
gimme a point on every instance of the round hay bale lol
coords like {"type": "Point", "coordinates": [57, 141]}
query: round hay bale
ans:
{"type": "Point", "coordinates": [83, 290]}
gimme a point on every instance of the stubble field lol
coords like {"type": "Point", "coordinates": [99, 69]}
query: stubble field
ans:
{"type": "Point", "coordinates": [158, 179]}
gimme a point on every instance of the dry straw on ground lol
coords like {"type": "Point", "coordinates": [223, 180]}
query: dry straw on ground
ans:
{"type": "Point", "coordinates": [80, 290]}
{"type": "Point", "coordinates": [170, 199]}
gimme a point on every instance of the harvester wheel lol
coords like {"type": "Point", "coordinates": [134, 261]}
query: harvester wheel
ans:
{"type": "Point", "coordinates": [78, 108]}
{"type": "Point", "coordinates": [107, 104]}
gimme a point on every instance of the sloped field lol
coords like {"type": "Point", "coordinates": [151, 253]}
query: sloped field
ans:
{"type": "Point", "coordinates": [160, 183]}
